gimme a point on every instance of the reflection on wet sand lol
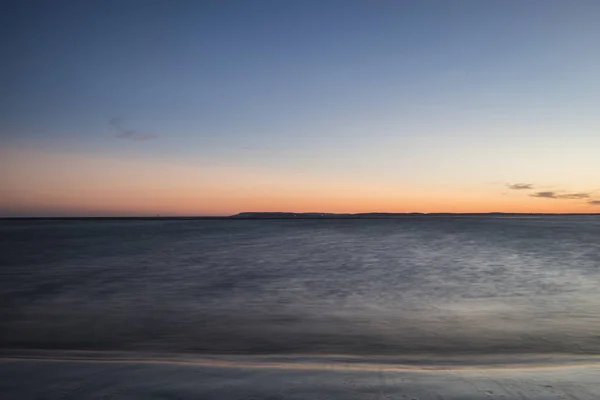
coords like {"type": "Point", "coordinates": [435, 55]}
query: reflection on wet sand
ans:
{"type": "Point", "coordinates": [219, 378]}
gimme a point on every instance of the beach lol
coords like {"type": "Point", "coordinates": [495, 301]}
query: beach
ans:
{"type": "Point", "coordinates": [76, 376]}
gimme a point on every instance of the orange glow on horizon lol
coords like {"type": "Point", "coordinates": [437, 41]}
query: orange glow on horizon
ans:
{"type": "Point", "coordinates": [182, 204]}
{"type": "Point", "coordinates": [68, 184]}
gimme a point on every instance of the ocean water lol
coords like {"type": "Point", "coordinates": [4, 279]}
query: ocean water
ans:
{"type": "Point", "coordinates": [435, 286]}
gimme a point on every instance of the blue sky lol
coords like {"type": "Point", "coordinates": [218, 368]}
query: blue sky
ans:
{"type": "Point", "coordinates": [425, 95]}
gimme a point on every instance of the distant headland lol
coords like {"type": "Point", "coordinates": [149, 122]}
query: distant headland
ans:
{"type": "Point", "coordinates": [313, 215]}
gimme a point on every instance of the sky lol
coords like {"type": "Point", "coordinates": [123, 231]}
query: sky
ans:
{"type": "Point", "coordinates": [218, 107]}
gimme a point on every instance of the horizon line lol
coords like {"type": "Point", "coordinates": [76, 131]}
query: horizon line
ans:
{"type": "Point", "coordinates": [293, 215]}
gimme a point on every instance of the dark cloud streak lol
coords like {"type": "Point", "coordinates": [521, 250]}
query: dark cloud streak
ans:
{"type": "Point", "coordinates": [544, 195]}
{"type": "Point", "coordinates": [117, 123]}
{"type": "Point", "coordinates": [556, 194]}
{"type": "Point", "coordinates": [565, 196]}
{"type": "Point", "coordinates": [574, 196]}
{"type": "Point", "coordinates": [129, 134]}
{"type": "Point", "coordinates": [521, 186]}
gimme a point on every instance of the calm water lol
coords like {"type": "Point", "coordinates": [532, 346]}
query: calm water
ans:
{"type": "Point", "coordinates": [447, 286]}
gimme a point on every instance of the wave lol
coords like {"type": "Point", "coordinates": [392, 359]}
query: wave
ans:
{"type": "Point", "coordinates": [424, 362]}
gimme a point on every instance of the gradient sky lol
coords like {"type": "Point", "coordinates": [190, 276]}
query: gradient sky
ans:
{"type": "Point", "coordinates": [217, 107]}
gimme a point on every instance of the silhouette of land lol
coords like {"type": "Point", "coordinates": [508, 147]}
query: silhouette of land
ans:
{"type": "Point", "coordinates": [292, 215]}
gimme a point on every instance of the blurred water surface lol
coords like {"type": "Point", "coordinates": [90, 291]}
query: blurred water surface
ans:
{"type": "Point", "coordinates": [413, 285]}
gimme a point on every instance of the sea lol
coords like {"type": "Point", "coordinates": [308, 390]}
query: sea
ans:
{"type": "Point", "coordinates": [415, 287]}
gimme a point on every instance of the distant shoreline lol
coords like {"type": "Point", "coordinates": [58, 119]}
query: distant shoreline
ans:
{"type": "Point", "coordinates": [285, 215]}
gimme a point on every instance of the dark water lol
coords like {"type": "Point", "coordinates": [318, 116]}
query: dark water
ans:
{"type": "Point", "coordinates": [447, 286]}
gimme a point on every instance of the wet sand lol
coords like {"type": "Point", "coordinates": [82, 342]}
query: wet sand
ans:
{"type": "Point", "coordinates": [85, 376]}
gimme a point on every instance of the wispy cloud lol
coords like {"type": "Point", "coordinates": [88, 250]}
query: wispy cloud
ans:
{"type": "Point", "coordinates": [574, 196]}
{"type": "Point", "coordinates": [558, 194]}
{"type": "Point", "coordinates": [117, 123]}
{"type": "Point", "coordinates": [133, 135]}
{"type": "Point", "coordinates": [545, 195]}
{"type": "Point", "coordinates": [521, 186]}
{"type": "Point", "coordinates": [564, 196]}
